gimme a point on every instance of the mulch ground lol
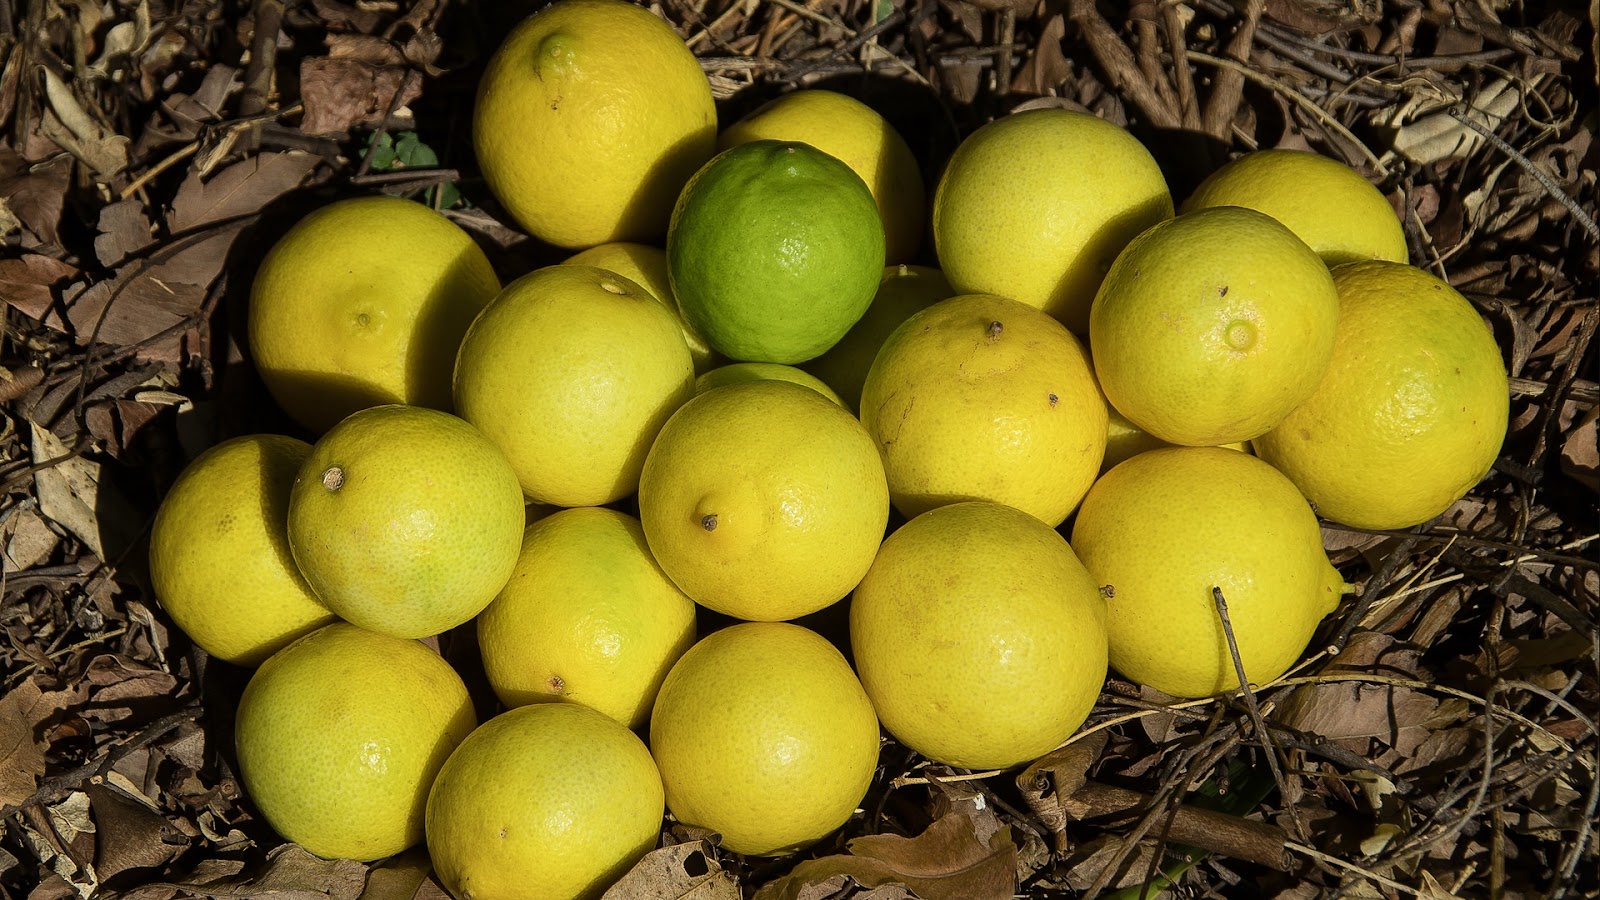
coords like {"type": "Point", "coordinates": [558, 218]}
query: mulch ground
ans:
{"type": "Point", "coordinates": [1439, 740]}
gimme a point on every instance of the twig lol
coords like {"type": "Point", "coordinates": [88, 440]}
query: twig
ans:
{"type": "Point", "coordinates": [1207, 829]}
{"type": "Point", "coordinates": [1457, 112]}
{"type": "Point", "coordinates": [1335, 861]}
{"type": "Point", "coordinates": [1369, 592]}
{"type": "Point", "coordinates": [1115, 57]}
{"type": "Point", "coordinates": [1298, 98]}
{"type": "Point", "coordinates": [1228, 88]}
{"type": "Point", "coordinates": [1256, 719]}
{"type": "Point", "coordinates": [263, 63]}
{"type": "Point", "coordinates": [1575, 850]}
{"type": "Point", "coordinates": [1188, 106]}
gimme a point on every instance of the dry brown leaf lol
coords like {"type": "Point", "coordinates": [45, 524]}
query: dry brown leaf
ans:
{"type": "Point", "coordinates": [30, 541]}
{"type": "Point", "coordinates": [240, 190]}
{"type": "Point", "coordinates": [74, 130]}
{"type": "Point", "coordinates": [1056, 776]}
{"type": "Point", "coordinates": [35, 195]}
{"type": "Point", "coordinates": [124, 230]}
{"type": "Point", "coordinates": [686, 871]}
{"type": "Point", "coordinates": [341, 94]}
{"type": "Point", "coordinates": [1397, 716]}
{"type": "Point", "coordinates": [29, 284]}
{"type": "Point", "coordinates": [1047, 68]}
{"type": "Point", "coordinates": [945, 862]}
{"type": "Point", "coordinates": [21, 745]}
{"type": "Point", "coordinates": [128, 834]}
{"type": "Point", "coordinates": [401, 877]}
{"type": "Point", "coordinates": [1580, 458]}
{"type": "Point", "coordinates": [69, 490]}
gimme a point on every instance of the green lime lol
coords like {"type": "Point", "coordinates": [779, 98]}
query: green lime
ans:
{"type": "Point", "coordinates": [775, 249]}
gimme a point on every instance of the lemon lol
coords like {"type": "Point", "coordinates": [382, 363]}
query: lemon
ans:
{"type": "Point", "coordinates": [405, 521]}
{"type": "Point", "coordinates": [589, 119]}
{"type": "Point", "coordinates": [1327, 204]}
{"type": "Point", "coordinates": [1125, 439]}
{"type": "Point", "coordinates": [339, 737]}
{"type": "Point", "coordinates": [646, 266]}
{"type": "Point", "coordinates": [774, 251]}
{"type": "Point", "coordinates": [219, 551]}
{"type": "Point", "coordinates": [983, 398]}
{"type": "Point", "coordinates": [1159, 531]}
{"type": "Point", "coordinates": [1211, 326]}
{"type": "Point", "coordinates": [763, 500]}
{"type": "Point", "coordinates": [587, 616]}
{"type": "Point", "coordinates": [1036, 205]}
{"type": "Point", "coordinates": [902, 291]}
{"type": "Point", "coordinates": [979, 636]}
{"type": "Point", "coordinates": [571, 371]}
{"type": "Point", "coordinates": [363, 302]}
{"type": "Point", "coordinates": [554, 801]}
{"type": "Point", "coordinates": [1412, 411]}
{"type": "Point", "coordinates": [736, 372]}
{"type": "Point", "coordinates": [764, 735]}
{"type": "Point", "coordinates": [853, 133]}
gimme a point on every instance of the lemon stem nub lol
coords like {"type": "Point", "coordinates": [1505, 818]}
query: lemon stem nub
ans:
{"type": "Point", "coordinates": [709, 522]}
{"type": "Point", "coordinates": [333, 478]}
{"type": "Point", "coordinates": [994, 330]}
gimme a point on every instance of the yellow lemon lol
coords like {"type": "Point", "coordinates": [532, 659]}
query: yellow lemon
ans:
{"type": "Point", "coordinates": [1412, 411]}
{"type": "Point", "coordinates": [646, 266]}
{"type": "Point", "coordinates": [1036, 205]}
{"type": "Point", "coordinates": [1211, 326]}
{"type": "Point", "coordinates": [219, 551]}
{"type": "Point", "coordinates": [1163, 529]}
{"type": "Point", "coordinates": [764, 735]}
{"type": "Point", "coordinates": [1327, 204]}
{"type": "Point", "coordinates": [339, 737]}
{"type": "Point", "coordinates": [1125, 439]}
{"type": "Point", "coordinates": [736, 372]}
{"type": "Point", "coordinates": [903, 291]}
{"type": "Point", "coordinates": [983, 398]}
{"type": "Point", "coordinates": [587, 616]}
{"type": "Point", "coordinates": [853, 133]}
{"type": "Point", "coordinates": [590, 117]}
{"type": "Point", "coordinates": [364, 302]}
{"type": "Point", "coordinates": [571, 371]}
{"type": "Point", "coordinates": [979, 636]}
{"type": "Point", "coordinates": [763, 500]}
{"type": "Point", "coordinates": [554, 801]}
{"type": "Point", "coordinates": [405, 521]}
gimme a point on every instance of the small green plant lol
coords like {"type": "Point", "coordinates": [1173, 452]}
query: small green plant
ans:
{"type": "Point", "coordinates": [390, 153]}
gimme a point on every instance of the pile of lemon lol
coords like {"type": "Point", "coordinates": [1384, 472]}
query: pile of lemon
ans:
{"type": "Point", "coordinates": [729, 418]}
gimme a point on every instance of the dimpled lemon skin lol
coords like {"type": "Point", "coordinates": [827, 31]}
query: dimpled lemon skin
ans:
{"type": "Point", "coordinates": [1327, 204]}
{"type": "Point", "coordinates": [590, 118]}
{"type": "Point", "coordinates": [764, 735]}
{"type": "Point", "coordinates": [774, 251]}
{"type": "Point", "coordinates": [1211, 326]}
{"type": "Point", "coordinates": [363, 302]}
{"type": "Point", "coordinates": [1159, 531]}
{"type": "Point", "coordinates": [852, 132]}
{"type": "Point", "coordinates": [904, 290]}
{"type": "Point", "coordinates": [587, 616]}
{"type": "Point", "coordinates": [547, 802]}
{"type": "Point", "coordinates": [979, 636]}
{"type": "Point", "coordinates": [339, 737]}
{"type": "Point", "coordinates": [764, 500]}
{"type": "Point", "coordinates": [571, 371]}
{"type": "Point", "coordinates": [1412, 412]}
{"type": "Point", "coordinates": [219, 551]}
{"type": "Point", "coordinates": [983, 398]}
{"type": "Point", "coordinates": [646, 266]}
{"type": "Point", "coordinates": [1036, 205]}
{"type": "Point", "coordinates": [405, 521]}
